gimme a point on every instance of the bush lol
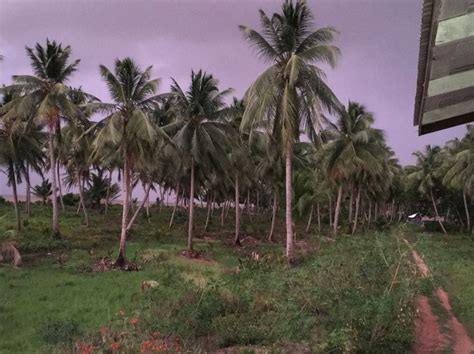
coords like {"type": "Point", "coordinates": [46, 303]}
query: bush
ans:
{"type": "Point", "coordinates": [56, 331]}
{"type": "Point", "coordinates": [71, 199]}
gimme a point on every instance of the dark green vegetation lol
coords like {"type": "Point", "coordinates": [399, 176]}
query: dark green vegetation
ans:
{"type": "Point", "coordinates": [351, 295]}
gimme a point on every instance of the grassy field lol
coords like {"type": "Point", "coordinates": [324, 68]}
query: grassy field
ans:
{"type": "Point", "coordinates": [352, 295]}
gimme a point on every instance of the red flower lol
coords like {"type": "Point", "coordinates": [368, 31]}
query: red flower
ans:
{"type": "Point", "coordinates": [156, 334]}
{"type": "Point", "coordinates": [133, 321]}
{"type": "Point", "coordinates": [115, 346]}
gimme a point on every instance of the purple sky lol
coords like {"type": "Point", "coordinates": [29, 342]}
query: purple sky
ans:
{"type": "Point", "coordinates": [378, 40]}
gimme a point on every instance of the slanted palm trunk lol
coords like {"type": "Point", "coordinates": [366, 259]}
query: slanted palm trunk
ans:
{"type": "Point", "coordinates": [337, 211]}
{"type": "Point", "coordinates": [107, 196]}
{"type": "Point", "coordinates": [191, 209]}
{"type": "Point", "coordinates": [122, 259]}
{"type": "Point", "coordinates": [208, 216]}
{"type": "Point", "coordinates": [81, 197]}
{"type": "Point", "coordinates": [436, 212]}
{"type": "Point", "coordinates": [176, 202]}
{"type": "Point", "coordinates": [356, 216]}
{"type": "Point", "coordinates": [289, 218]}
{"type": "Point", "coordinates": [137, 212]}
{"type": "Point", "coordinates": [466, 208]}
{"type": "Point", "coordinates": [308, 226]}
{"type": "Point", "coordinates": [274, 212]}
{"type": "Point", "coordinates": [237, 211]}
{"type": "Point", "coordinates": [60, 189]}
{"type": "Point", "coordinates": [15, 197]}
{"type": "Point", "coordinates": [28, 190]}
{"type": "Point", "coordinates": [52, 161]}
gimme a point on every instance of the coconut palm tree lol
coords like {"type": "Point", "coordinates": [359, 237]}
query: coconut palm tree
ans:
{"type": "Point", "coordinates": [199, 135]}
{"type": "Point", "coordinates": [20, 146]}
{"type": "Point", "coordinates": [43, 190]}
{"type": "Point", "coordinates": [353, 149]}
{"type": "Point", "coordinates": [291, 93]}
{"type": "Point", "coordinates": [127, 132]}
{"type": "Point", "coordinates": [424, 175]}
{"type": "Point", "coordinates": [44, 96]}
{"type": "Point", "coordinates": [458, 168]}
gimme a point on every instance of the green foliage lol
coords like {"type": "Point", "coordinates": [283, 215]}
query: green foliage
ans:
{"type": "Point", "coordinates": [55, 331]}
{"type": "Point", "coordinates": [70, 199]}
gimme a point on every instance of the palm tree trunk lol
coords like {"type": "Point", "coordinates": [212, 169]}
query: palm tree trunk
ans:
{"type": "Point", "coordinates": [258, 201]}
{"type": "Point", "coordinates": [176, 202]}
{"type": "Point", "coordinates": [191, 209]}
{"type": "Point", "coordinates": [237, 210]}
{"type": "Point", "coordinates": [122, 259]}
{"type": "Point", "coordinates": [330, 212]}
{"type": "Point", "coordinates": [289, 217]}
{"type": "Point", "coordinates": [319, 219]}
{"type": "Point", "coordinates": [162, 198]}
{"type": "Point", "coordinates": [60, 189]}
{"type": "Point", "coordinates": [28, 190]}
{"type": "Point", "coordinates": [351, 203]}
{"type": "Point", "coordinates": [274, 214]}
{"type": "Point", "coordinates": [337, 211]}
{"type": "Point", "coordinates": [370, 214]}
{"type": "Point", "coordinates": [392, 209]}
{"type": "Point", "coordinates": [81, 197]}
{"type": "Point", "coordinates": [208, 216]}
{"type": "Point", "coordinates": [222, 214]}
{"type": "Point", "coordinates": [147, 208]}
{"type": "Point", "coordinates": [356, 216]}
{"type": "Point", "coordinates": [52, 160]}
{"type": "Point", "coordinates": [15, 198]}
{"type": "Point", "coordinates": [137, 212]}
{"type": "Point", "coordinates": [107, 196]}
{"type": "Point", "coordinates": [436, 212]}
{"type": "Point", "coordinates": [466, 208]}
{"type": "Point", "coordinates": [310, 218]}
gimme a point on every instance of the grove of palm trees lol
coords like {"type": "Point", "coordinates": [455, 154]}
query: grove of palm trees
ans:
{"type": "Point", "coordinates": [187, 219]}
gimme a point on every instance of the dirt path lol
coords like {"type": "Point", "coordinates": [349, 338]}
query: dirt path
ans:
{"type": "Point", "coordinates": [431, 335]}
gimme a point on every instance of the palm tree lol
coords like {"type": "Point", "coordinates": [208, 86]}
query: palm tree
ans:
{"type": "Point", "coordinates": [44, 96]}
{"type": "Point", "coordinates": [424, 175]}
{"type": "Point", "coordinates": [352, 151]}
{"type": "Point", "coordinates": [20, 147]}
{"type": "Point", "coordinates": [291, 93]}
{"type": "Point", "coordinates": [199, 135]}
{"type": "Point", "coordinates": [43, 190]}
{"type": "Point", "coordinates": [458, 168]}
{"type": "Point", "coordinates": [128, 131]}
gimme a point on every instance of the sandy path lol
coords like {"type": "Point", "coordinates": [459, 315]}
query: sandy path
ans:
{"type": "Point", "coordinates": [429, 337]}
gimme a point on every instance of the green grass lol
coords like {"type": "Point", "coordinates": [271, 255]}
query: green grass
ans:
{"type": "Point", "coordinates": [355, 294]}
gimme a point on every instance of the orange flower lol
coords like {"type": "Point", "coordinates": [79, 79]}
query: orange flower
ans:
{"type": "Point", "coordinates": [133, 321]}
{"type": "Point", "coordinates": [121, 312]}
{"type": "Point", "coordinates": [156, 334]}
{"type": "Point", "coordinates": [115, 346]}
